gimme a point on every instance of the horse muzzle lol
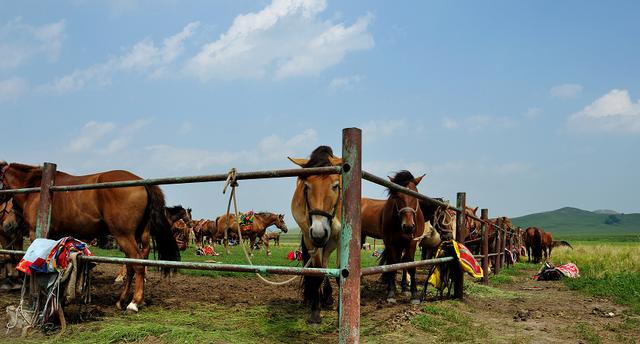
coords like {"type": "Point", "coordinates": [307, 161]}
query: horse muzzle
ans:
{"type": "Point", "coordinates": [408, 229]}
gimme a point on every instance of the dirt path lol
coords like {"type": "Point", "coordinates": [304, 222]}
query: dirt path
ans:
{"type": "Point", "coordinates": [518, 311]}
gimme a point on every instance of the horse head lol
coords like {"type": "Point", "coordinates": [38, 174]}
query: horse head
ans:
{"type": "Point", "coordinates": [3, 184]}
{"type": "Point", "coordinates": [316, 202]}
{"type": "Point", "coordinates": [11, 225]}
{"type": "Point", "coordinates": [406, 206]}
{"type": "Point", "coordinates": [280, 223]}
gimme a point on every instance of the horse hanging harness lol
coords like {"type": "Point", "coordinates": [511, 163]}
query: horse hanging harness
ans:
{"type": "Point", "coordinates": [2, 173]}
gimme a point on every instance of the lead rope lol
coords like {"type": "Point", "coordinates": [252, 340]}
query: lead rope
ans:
{"type": "Point", "coordinates": [231, 181]}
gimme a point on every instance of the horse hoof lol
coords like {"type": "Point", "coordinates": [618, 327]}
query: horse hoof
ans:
{"type": "Point", "coordinates": [132, 307]}
{"type": "Point", "coordinates": [391, 300]}
{"type": "Point", "coordinates": [406, 293]}
{"type": "Point", "coordinates": [312, 322]}
{"type": "Point", "coordinates": [118, 305]}
{"type": "Point", "coordinates": [415, 301]}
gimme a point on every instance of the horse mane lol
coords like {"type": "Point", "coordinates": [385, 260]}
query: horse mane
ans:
{"type": "Point", "coordinates": [402, 178]}
{"type": "Point", "coordinates": [33, 173]}
{"type": "Point", "coordinates": [320, 157]}
{"type": "Point", "coordinates": [176, 208]}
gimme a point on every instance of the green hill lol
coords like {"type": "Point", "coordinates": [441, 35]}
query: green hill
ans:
{"type": "Point", "coordinates": [575, 222]}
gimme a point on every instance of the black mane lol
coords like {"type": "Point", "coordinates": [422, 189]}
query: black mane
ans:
{"type": "Point", "coordinates": [402, 178]}
{"type": "Point", "coordinates": [175, 209]}
{"type": "Point", "coordinates": [320, 157]}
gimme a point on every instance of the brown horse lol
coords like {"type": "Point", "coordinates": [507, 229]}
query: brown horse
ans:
{"type": "Point", "coordinates": [402, 225]}
{"type": "Point", "coordinates": [275, 236]}
{"type": "Point", "coordinates": [317, 207]}
{"type": "Point", "coordinates": [441, 226]}
{"type": "Point", "coordinates": [258, 228]}
{"type": "Point", "coordinates": [12, 232]}
{"type": "Point", "coordinates": [202, 230]}
{"type": "Point", "coordinates": [547, 244]}
{"type": "Point", "coordinates": [533, 243]}
{"type": "Point", "coordinates": [131, 215]}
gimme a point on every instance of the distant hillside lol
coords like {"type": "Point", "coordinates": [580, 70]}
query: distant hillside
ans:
{"type": "Point", "coordinates": [574, 221]}
{"type": "Point", "coordinates": [606, 211]}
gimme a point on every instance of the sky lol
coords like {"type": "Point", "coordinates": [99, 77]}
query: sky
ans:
{"type": "Point", "coordinates": [525, 106]}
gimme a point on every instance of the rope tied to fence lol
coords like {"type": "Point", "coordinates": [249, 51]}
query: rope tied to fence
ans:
{"type": "Point", "coordinates": [233, 183]}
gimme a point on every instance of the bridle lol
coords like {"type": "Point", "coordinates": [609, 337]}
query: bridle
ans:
{"type": "Point", "coordinates": [311, 212]}
{"type": "Point", "coordinates": [408, 210]}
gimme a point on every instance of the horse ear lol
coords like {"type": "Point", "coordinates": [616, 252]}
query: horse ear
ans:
{"type": "Point", "coordinates": [335, 161]}
{"type": "Point", "coordinates": [419, 179]}
{"type": "Point", "coordinates": [298, 161]}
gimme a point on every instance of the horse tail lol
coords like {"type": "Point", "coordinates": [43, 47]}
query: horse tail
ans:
{"type": "Point", "coordinates": [537, 246]}
{"type": "Point", "coordinates": [160, 228]}
{"type": "Point", "coordinates": [558, 243]}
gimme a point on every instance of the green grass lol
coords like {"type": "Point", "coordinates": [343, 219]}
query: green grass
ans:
{"type": "Point", "coordinates": [588, 334]}
{"type": "Point", "coordinates": [451, 325]}
{"type": "Point", "coordinates": [607, 270]}
{"type": "Point", "coordinates": [204, 323]}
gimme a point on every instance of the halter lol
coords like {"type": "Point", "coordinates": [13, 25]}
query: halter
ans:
{"type": "Point", "coordinates": [319, 212]}
{"type": "Point", "coordinates": [408, 209]}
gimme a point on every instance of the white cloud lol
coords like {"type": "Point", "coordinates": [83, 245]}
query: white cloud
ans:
{"type": "Point", "coordinates": [285, 39]}
{"type": "Point", "coordinates": [478, 122]}
{"type": "Point", "coordinates": [12, 89]}
{"type": "Point", "coordinates": [91, 133]}
{"type": "Point", "coordinates": [450, 123]}
{"type": "Point", "coordinates": [345, 83]}
{"type": "Point", "coordinates": [533, 113]}
{"type": "Point", "coordinates": [272, 148]}
{"type": "Point", "coordinates": [20, 42]}
{"type": "Point", "coordinates": [374, 130]}
{"type": "Point", "coordinates": [613, 112]}
{"type": "Point", "coordinates": [144, 57]}
{"type": "Point", "coordinates": [566, 91]}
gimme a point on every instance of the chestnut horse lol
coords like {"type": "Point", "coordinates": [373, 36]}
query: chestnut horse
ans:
{"type": "Point", "coordinates": [402, 225]}
{"type": "Point", "coordinates": [132, 215]}
{"type": "Point", "coordinates": [317, 207]}
{"type": "Point", "coordinates": [261, 221]}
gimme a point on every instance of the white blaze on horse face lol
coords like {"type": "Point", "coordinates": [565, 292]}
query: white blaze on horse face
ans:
{"type": "Point", "coordinates": [320, 228]}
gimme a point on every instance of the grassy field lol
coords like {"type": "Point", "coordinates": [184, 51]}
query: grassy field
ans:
{"type": "Point", "coordinates": [609, 270]}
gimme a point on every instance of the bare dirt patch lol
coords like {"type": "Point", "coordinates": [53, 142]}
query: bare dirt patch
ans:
{"type": "Point", "coordinates": [520, 311]}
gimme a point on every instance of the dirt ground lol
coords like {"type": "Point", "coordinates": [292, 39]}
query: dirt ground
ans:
{"type": "Point", "coordinates": [519, 311]}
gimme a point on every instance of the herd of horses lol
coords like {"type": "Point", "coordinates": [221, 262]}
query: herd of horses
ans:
{"type": "Point", "coordinates": [132, 216]}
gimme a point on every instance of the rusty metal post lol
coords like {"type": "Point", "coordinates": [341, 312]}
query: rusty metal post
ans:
{"type": "Point", "coordinates": [484, 215]}
{"type": "Point", "coordinates": [461, 203]}
{"type": "Point", "coordinates": [349, 308]}
{"type": "Point", "coordinates": [510, 235]}
{"type": "Point", "coordinates": [43, 220]}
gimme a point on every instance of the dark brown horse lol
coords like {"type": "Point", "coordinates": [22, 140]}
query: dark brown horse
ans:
{"type": "Point", "coordinates": [533, 243]}
{"type": "Point", "coordinates": [402, 225]}
{"type": "Point", "coordinates": [131, 215]}
{"type": "Point", "coordinates": [255, 231]}
{"type": "Point", "coordinates": [317, 207]}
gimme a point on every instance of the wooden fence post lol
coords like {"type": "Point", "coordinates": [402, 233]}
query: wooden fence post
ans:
{"type": "Point", "coordinates": [43, 221]}
{"type": "Point", "coordinates": [484, 215]}
{"type": "Point", "coordinates": [497, 244]}
{"type": "Point", "coordinates": [461, 203]}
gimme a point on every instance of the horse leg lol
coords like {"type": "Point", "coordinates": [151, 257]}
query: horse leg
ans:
{"type": "Point", "coordinates": [266, 245]}
{"type": "Point", "coordinates": [390, 276]}
{"type": "Point", "coordinates": [404, 283]}
{"type": "Point", "coordinates": [129, 245]}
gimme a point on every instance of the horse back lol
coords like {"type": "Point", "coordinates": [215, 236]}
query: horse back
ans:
{"type": "Point", "coordinates": [371, 217]}
{"type": "Point", "coordinates": [85, 214]}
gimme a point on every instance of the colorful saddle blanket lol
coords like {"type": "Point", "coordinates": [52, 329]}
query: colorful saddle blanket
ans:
{"type": "Point", "coordinates": [466, 260]}
{"type": "Point", "coordinates": [45, 255]}
{"type": "Point", "coordinates": [246, 221]}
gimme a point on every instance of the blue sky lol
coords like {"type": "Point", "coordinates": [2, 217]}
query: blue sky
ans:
{"type": "Point", "coordinates": [526, 106]}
